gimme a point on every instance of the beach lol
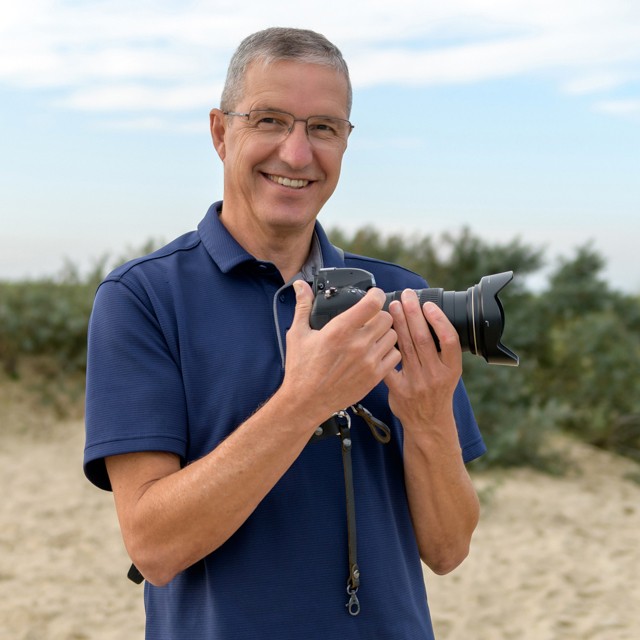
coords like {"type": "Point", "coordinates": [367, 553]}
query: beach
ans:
{"type": "Point", "coordinates": [553, 558]}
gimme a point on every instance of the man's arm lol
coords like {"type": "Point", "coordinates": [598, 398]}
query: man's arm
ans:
{"type": "Point", "coordinates": [443, 502]}
{"type": "Point", "coordinates": [171, 517]}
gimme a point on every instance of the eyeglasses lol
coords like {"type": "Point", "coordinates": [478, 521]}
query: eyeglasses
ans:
{"type": "Point", "coordinates": [275, 126]}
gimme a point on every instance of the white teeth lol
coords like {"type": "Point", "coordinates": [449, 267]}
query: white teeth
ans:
{"type": "Point", "coordinates": [288, 182]}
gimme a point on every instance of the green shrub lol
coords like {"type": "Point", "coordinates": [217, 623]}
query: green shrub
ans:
{"type": "Point", "coordinates": [578, 340]}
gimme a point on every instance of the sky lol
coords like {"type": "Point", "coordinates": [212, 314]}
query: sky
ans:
{"type": "Point", "coordinates": [517, 119]}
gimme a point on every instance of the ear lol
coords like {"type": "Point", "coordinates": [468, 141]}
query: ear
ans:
{"type": "Point", "coordinates": [218, 127]}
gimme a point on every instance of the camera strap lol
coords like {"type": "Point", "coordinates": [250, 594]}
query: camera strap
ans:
{"type": "Point", "coordinates": [340, 424]}
{"type": "Point", "coordinates": [343, 421]}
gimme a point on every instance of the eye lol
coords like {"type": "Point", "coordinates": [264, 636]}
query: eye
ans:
{"type": "Point", "coordinates": [324, 127]}
{"type": "Point", "coordinates": [270, 120]}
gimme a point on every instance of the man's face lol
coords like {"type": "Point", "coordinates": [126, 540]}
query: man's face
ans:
{"type": "Point", "coordinates": [255, 200]}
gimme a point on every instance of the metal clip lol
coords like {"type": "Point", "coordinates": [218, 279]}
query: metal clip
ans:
{"type": "Point", "coordinates": [344, 425]}
{"type": "Point", "coordinates": [353, 606]}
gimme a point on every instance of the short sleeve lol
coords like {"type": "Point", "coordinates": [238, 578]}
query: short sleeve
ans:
{"type": "Point", "coordinates": [469, 435]}
{"type": "Point", "coordinates": [135, 397]}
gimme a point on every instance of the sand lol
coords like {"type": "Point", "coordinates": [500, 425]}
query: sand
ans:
{"type": "Point", "coordinates": [552, 559]}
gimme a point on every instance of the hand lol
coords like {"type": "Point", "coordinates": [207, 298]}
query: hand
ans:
{"type": "Point", "coordinates": [421, 393]}
{"type": "Point", "coordinates": [338, 365]}
{"type": "Point", "coordinates": [443, 503]}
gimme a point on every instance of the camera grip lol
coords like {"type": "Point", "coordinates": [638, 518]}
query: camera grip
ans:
{"type": "Point", "coordinates": [332, 302]}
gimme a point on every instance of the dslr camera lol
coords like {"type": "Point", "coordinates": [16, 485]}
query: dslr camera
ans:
{"type": "Point", "coordinates": [476, 313]}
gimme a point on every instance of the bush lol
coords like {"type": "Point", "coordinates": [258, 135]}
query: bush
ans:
{"type": "Point", "coordinates": [44, 318]}
{"type": "Point", "coordinates": [578, 341]}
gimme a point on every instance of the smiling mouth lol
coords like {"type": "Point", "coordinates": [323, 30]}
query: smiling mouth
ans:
{"type": "Point", "coordinates": [292, 183]}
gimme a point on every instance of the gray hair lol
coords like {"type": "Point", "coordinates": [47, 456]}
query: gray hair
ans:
{"type": "Point", "coordinates": [281, 43]}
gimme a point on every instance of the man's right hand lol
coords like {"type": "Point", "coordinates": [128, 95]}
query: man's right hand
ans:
{"type": "Point", "coordinates": [336, 366]}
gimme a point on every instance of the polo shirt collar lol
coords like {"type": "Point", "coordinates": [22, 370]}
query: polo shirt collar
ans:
{"type": "Point", "coordinates": [228, 254]}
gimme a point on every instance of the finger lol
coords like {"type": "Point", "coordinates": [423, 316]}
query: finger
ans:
{"type": "Point", "coordinates": [405, 343]}
{"type": "Point", "coordinates": [416, 338]}
{"type": "Point", "coordinates": [304, 303]}
{"type": "Point", "coordinates": [448, 338]}
{"type": "Point", "coordinates": [365, 309]}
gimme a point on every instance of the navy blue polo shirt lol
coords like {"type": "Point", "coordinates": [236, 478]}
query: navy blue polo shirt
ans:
{"type": "Point", "coordinates": [184, 345]}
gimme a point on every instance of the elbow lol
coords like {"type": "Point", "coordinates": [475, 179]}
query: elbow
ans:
{"type": "Point", "coordinates": [156, 563]}
{"type": "Point", "coordinates": [155, 572]}
{"type": "Point", "coordinates": [445, 560]}
{"type": "Point", "coordinates": [160, 558]}
{"type": "Point", "coordinates": [158, 578]}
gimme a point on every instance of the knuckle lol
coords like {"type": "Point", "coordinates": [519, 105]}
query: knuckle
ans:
{"type": "Point", "coordinates": [449, 339]}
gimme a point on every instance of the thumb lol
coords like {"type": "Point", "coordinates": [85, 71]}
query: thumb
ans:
{"type": "Point", "coordinates": [304, 302]}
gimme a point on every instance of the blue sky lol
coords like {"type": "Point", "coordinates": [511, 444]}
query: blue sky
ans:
{"type": "Point", "coordinates": [517, 119]}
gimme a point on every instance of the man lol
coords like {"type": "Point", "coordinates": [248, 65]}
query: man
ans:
{"type": "Point", "coordinates": [206, 385]}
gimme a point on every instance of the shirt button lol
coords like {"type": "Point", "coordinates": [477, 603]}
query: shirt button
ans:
{"type": "Point", "coordinates": [282, 297]}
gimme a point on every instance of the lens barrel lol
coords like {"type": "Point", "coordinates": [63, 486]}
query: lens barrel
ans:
{"type": "Point", "coordinates": [476, 314]}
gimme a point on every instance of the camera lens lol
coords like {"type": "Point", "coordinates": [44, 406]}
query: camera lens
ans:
{"type": "Point", "coordinates": [477, 316]}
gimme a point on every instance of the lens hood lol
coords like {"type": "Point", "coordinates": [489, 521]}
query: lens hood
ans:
{"type": "Point", "coordinates": [488, 319]}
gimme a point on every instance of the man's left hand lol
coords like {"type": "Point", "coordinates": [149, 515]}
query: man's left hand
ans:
{"type": "Point", "coordinates": [421, 393]}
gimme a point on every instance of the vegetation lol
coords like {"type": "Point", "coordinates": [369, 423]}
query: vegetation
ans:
{"type": "Point", "coordinates": [578, 342]}
{"type": "Point", "coordinates": [578, 339]}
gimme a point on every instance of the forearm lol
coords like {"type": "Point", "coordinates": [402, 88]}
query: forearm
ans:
{"type": "Point", "coordinates": [172, 517]}
{"type": "Point", "coordinates": [443, 502]}
{"type": "Point", "coordinates": [183, 516]}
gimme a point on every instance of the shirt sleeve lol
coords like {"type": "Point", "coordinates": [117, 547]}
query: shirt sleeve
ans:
{"type": "Point", "coordinates": [135, 397]}
{"type": "Point", "coordinates": [469, 435]}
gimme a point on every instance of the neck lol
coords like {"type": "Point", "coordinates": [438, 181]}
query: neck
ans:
{"type": "Point", "coordinates": [288, 262]}
{"type": "Point", "coordinates": [284, 247]}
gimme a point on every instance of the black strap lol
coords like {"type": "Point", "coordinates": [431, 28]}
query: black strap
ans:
{"type": "Point", "coordinates": [134, 575]}
{"type": "Point", "coordinates": [379, 429]}
{"type": "Point", "coordinates": [353, 583]}
{"type": "Point", "coordinates": [340, 424]}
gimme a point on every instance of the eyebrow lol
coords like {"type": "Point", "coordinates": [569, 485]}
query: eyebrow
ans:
{"type": "Point", "coordinates": [313, 115]}
{"type": "Point", "coordinates": [267, 108]}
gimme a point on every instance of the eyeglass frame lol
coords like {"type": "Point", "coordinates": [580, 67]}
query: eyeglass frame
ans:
{"type": "Point", "coordinates": [286, 113]}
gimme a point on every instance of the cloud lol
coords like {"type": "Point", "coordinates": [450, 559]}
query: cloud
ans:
{"type": "Point", "coordinates": [169, 55]}
{"type": "Point", "coordinates": [629, 107]}
{"type": "Point", "coordinates": [599, 81]}
{"type": "Point", "coordinates": [138, 97]}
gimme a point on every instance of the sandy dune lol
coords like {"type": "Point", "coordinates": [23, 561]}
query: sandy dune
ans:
{"type": "Point", "coordinates": [553, 558]}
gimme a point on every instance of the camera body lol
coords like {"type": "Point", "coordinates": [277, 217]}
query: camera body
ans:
{"type": "Point", "coordinates": [476, 314]}
{"type": "Point", "coordinates": [337, 289]}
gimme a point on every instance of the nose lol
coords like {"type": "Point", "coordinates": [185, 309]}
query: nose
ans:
{"type": "Point", "coordinates": [296, 149]}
